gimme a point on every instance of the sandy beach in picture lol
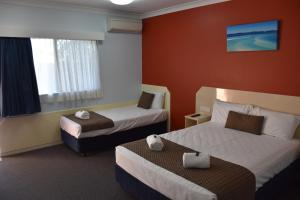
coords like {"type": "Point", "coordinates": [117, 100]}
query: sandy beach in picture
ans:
{"type": "Point", "coordinates": [253, 37]}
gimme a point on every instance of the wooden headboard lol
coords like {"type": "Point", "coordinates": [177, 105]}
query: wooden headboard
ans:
{"type": "Point", "coordinates": [289, 104]}
{"type": "Point", "coordinates": [167, 103]}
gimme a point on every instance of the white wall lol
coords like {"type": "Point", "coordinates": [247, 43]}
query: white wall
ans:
{"type": "Point", "coordinates": [121, 65]}
{"type": "Point", "coordinates": [50, 19]}
{"type": "Point", "coordinates": [120, 70]}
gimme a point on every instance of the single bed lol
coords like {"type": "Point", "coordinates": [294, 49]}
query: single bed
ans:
{"type": "Point", "coordinates": [130, 123]}
{"type": "Point", "coordinates": [272, 160]}
{"type": "Point", "coordinates": [124, 118]}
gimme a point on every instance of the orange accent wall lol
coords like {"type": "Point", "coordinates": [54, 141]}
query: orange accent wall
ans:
{"type": "Point", "coordinates": [186, 50]}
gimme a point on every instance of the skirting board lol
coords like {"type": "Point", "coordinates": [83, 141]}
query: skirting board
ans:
{"type": "Point", "coordinates": [19, 151]}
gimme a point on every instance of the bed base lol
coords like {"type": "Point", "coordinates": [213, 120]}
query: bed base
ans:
{"type": "Point", "coordinates": [135, 187]}
{"type": "Point", "coordinates": [278, 184]}
{"type": "Point", "coordinates": [92, 144]}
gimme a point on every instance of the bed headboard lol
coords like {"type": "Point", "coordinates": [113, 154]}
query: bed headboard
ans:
{"type": "Point", "coordinates": [282, 103]}
{"type": "Point", "coordinates": [167, 103]}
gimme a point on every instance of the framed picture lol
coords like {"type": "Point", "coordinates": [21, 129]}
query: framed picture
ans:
{"type": "Point", "coordinates": [261, 36]}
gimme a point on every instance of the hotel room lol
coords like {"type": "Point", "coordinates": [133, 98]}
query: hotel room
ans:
{"type": "Point", "coordinates": [149, 99]}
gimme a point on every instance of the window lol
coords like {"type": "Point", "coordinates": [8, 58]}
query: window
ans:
{"type": "Point", "coordinates": [66, 70]}
{"type": "Point", "coordinates": [45, 65]}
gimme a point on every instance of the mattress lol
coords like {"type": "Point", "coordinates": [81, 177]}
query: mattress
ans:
{"type": "Point", "coordinates": [265, 156]}
{"type": "Point", "coordinates": [124, 118]}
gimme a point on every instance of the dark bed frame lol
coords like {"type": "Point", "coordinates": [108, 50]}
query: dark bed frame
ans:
{"type": "Point", "coordinates": [280, 183]}
{"type": "Point", "coordinates": [93, 144]}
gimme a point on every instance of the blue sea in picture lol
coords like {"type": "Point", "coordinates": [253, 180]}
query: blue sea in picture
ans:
{"type": "Point", "coordinates": [253, 37]}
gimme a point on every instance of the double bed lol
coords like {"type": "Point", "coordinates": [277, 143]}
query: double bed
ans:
{"type": "Point", "coordinates": [265, 156]}
{"type": "Point", "coordinates": [272, 160]}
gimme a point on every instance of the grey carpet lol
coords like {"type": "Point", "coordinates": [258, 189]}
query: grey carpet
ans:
{"type": "Point", "coordinates": [57, 173]}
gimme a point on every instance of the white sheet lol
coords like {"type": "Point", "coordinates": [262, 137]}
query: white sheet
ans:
{"type": "Point", "coordinates": [124, 118]}
{"type": "Point", "coordinates": [264, 156]}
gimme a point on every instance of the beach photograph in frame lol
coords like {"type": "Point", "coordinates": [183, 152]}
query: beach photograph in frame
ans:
{"type": "Point", "coordinates": [262, 36]}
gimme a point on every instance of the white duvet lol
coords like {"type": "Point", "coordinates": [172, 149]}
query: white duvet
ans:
{"type": "Point", "coordinates": [124, 118]}
{"type": "Point", "coordinates": [264, 156]}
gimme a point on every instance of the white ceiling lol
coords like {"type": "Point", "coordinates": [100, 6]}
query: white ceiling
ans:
{"type": "Point", "coordinates": [140, 7]}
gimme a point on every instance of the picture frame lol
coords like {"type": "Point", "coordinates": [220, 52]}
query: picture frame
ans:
{"type": "Point", "coordinates": [262, 36]}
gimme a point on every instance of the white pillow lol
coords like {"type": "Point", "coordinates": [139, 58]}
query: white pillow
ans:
{"type": "Point", "coordinates": [221, 110]}
{"type": "Point", "coordinates": [277, 124]}
{"type": "Point", "coordinates": [158, 101]}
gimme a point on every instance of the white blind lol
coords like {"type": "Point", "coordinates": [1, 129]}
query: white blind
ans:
{"type": "Point", "coordinates": [66, 70]}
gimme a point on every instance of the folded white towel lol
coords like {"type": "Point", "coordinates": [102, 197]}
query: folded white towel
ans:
{"type": "Point", "coordinates": [196, 160]}
{"type": "Point", "coordinates": [82, 114]}
{"type": "Point", "coordinates": [154, 142]}
{"type": "Point", "coordinates": [85, 113]}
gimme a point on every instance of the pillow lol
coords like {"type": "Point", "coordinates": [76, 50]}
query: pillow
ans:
{"type": "Point", "coordinates": [158, 101]}
{"type": "Point", "coordinates": [243, 122]}
{"type": "Point", "coordinates": [277, 124]}
{"type": "Point", "coordinates": [145, 100]}
{"type": "Point", "coordinates": [221, 110]}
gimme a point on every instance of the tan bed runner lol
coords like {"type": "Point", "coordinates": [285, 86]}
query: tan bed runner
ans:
{"type": "Point", "coordinates": [227, 180]}
{"type": "Point", "coordinates": [96, 122]}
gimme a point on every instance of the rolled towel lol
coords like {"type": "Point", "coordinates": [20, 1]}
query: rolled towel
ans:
{"type": "Point", "coordinates": [196, 160]}
{"type": "Point", "coordinates": [78, 114]}
{"type": "Point", "coordinates": [82, 114]}
{"type": "Point", "coordinates": [85, 114]}
{"type": "Point", "coordinates": [155, 143]}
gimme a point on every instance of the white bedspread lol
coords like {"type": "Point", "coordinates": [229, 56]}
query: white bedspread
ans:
{"type": "Point", "coordinates": [124, 118]}
{"type": "Point", "coordinates": [264, 156]}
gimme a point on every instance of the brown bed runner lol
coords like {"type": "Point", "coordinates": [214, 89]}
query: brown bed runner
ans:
{"type": "Point", "coordinates": [96, 122]}
{"type": "Point", "coordinates": [227, 180]}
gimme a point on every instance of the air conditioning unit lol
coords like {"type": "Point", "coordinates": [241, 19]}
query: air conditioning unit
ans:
{"type": "Point", "coordinates": [124, 25]}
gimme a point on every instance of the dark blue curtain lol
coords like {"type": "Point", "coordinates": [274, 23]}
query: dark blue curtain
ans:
{"type": "Point", "coordinates": [18, 87]}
